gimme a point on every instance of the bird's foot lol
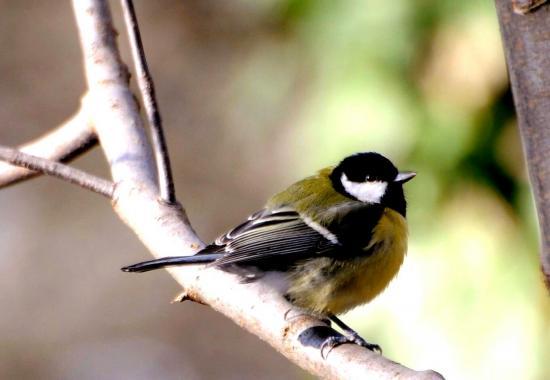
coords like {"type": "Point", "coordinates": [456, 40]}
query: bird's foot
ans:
{"type": "Point", "coordinates": [355, 338]}
{"type": "Point", "coordinates": [337, 340]}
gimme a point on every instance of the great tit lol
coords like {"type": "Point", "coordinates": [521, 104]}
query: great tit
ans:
{"type": "Point", "coordinates": [329, 242]}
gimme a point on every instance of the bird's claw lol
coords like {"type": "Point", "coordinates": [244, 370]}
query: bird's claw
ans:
{"type": "Point", "coordinates": [355, 338]}
{"type": "Point", "coordinates": [337, 340]}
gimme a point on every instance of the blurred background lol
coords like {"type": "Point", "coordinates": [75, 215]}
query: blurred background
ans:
{"type": "Point", "coordinates": [255, 95]}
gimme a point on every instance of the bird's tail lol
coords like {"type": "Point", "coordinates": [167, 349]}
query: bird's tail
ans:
{"type": "Point", "coordinates": [172, 261]}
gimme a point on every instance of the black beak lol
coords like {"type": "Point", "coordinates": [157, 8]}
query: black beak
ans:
{"type": "Point", "coordinates": [403, 177]}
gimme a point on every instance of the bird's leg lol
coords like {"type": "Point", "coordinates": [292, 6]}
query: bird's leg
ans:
{"type": "Point", "coordinates": [327, 321]}
{"type": "Point", "coordinates": [351, 337]}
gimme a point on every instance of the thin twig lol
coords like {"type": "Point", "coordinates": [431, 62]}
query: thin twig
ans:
{"type": "Point", "coordinates": [64, 143]}
{"type": "Point", "coordinates": [55, 169]}
{"type": "Point", "coordinates": [147, 89]}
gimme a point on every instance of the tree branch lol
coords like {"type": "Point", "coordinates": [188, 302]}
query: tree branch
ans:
{"type": "Point", "coordinates": [110, 102]}
{"type": "Point", "coordinates": [165, 229]}
{"type": "Point", "coordinates": [55, 169]}
{"type": "Point", "coordinates": [74, 137]}
{"type": "Point", "coordinates": [527, 47]}
{"type": "Point", "coordinates": [147, 89]}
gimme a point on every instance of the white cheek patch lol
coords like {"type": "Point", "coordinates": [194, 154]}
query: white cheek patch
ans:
{"type": "Point", "coordinates": [368, 192]}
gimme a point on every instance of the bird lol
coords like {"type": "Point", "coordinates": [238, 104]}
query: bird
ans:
{"type": "Point", "coordinates": [328, 243]}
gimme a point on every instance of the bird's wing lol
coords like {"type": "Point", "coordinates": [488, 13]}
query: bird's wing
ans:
{"type": "Point", "coordinates": [280, 237]}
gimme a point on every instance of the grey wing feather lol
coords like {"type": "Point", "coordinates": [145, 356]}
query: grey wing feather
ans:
{"type": "Point", "coordinates": [259, 219]}
{"type": "Point", "coordinates": [268, 233]}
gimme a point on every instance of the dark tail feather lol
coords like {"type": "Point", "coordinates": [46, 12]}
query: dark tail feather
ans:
{"type": "Point", "coordinates": [171, 261]}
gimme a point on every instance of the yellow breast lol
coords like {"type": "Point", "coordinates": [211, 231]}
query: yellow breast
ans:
{"type": "Point", "coordinates": [336, 287]}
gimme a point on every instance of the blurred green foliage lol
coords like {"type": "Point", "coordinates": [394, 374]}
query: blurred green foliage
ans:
{"type": "Point", "coordinates": [425, 83]}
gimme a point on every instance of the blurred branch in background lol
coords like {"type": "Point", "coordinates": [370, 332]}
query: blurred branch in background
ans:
{"type": "Point", "coordinates": [527, 47]}
{"type": "Point", "coordinates": [66, 142]}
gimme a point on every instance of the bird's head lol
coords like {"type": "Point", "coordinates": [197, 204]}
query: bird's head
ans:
{"type": "Point", "coordinates": [371, 178]}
